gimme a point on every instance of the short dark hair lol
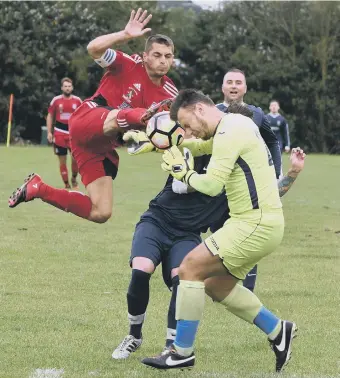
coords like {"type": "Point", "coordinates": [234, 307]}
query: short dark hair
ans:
{"type": "Point", "coordinates": [273, 100]}
{"type": "Point", "coordinates": [236, 70]}
{"type": "Point", "coordinates": [66, 80]}
{"type": "Point", "coordinates": [159, 38]}
{"type": "Point", "coordinates": [188, 98]}
{"type": "Point", "coordinates": [237, 108]}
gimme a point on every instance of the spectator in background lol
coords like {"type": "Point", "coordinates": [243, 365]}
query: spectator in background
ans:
{"type": "Point", "coordinates": [279, 125]}
{"type": "Point", "coordinates": [59, 112]}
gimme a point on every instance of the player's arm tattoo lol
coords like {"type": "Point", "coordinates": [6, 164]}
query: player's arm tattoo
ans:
{"type": "Point", "coordinates": [285, 182]}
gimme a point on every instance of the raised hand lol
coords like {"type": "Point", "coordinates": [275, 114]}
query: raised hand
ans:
{"type": "Point", "coordinates": [138, 20]}
{"type": "Point", "coordinates": [297, 159]}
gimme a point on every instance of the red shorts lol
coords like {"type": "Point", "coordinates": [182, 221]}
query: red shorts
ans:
{"type": "Point", "coordinates": [61, 142]}
{"type": "Point", "coordinates": [93, 151]}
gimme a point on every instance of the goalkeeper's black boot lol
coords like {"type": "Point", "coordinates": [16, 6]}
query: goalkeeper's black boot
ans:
{"type": "Point", "coordinates": [282, 345]}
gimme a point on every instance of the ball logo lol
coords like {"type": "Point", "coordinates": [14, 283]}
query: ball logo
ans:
{"type": "Point", "coordinates": [74, 106]}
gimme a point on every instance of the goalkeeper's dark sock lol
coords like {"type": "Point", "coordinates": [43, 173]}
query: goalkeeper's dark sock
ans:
{"type": "Point", "coordinates": [137, 300]}
{"type": "Point", "coordinates": [129, 117]}
{"type": "Point", "coordinates": [171, 330]}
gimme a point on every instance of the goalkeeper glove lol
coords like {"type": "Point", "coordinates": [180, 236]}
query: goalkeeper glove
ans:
{"type": "Point", "coordinates": [138, 142]}
{"type": "Point", "coordinates": [156, 108]}
{"type": "Point", "coordinates": [178, 165]}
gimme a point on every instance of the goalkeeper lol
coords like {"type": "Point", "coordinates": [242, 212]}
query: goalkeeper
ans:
{"type": "Point", "coordinates": [236, 78]}
{"type": "Point", "coordinates": [166, 233]}
{"type": "Point", "coordinates": [241, 164]}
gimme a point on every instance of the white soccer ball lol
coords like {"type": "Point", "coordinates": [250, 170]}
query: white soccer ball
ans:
{"type": "Point", "coordinates": [163, 132]}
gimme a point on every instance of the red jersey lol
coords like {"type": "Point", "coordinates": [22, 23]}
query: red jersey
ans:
{"type": "Point", "coordinates": [61, 109]}
{"type": "Point", "coordinates": [126, 83]}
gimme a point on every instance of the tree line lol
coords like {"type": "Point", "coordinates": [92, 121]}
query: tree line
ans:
{"type": "Point", "coordinates": [288, 50]}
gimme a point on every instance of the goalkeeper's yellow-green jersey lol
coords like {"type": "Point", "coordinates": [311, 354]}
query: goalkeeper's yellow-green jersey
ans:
{"type": "Point", "coordinates": [241, 162]}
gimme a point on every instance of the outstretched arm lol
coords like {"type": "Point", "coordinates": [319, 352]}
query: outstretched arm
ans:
{"type": "Point", "coordinates": [297, 159]}
{"type": "Point", "coordinates": [133, 29]}
{"type": "Point", "coordinates": [138, 143]}
{"type": "Point", "coordinates": [227, 147]}
{"type": "Point", "coordinates": [197, 147]}
{"type": "Point", "coordinates": [181, 167]}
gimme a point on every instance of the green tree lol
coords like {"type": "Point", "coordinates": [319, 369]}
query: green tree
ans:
{"type": "Point", "coordinates": [36, 46]}
{"type": "Point", "coordinates": [41, 42]}
{"type": "Point", "coordinates": [289, 50]}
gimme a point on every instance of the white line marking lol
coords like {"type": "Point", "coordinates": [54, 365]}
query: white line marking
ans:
{"type": "Point", "coordinates": [47, 373]}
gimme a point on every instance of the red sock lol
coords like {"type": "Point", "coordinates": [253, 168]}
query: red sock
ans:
{"type": "Point", "coordinates": [64, 173]}
{"type": "Point", "coordinates": [71, 202]}
{"type": "Point", "coordinates": [74, 168]}
{"type": "Point", "coordinates": [129, 117]}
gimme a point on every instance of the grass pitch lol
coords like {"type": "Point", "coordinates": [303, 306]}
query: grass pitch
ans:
{"type": "Point", "coordinates": [63, 281]}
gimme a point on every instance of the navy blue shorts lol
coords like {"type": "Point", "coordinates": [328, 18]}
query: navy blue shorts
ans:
{"type": "Point", "coordinates": [219, 224]}
{"type": "Point", "coordinates": [60, 151]}
{"type": "Point", "coordinates": [154, 243]}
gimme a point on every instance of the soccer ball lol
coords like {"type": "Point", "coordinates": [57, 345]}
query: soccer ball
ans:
{"type": "Point", "coordinates": [163, 132]}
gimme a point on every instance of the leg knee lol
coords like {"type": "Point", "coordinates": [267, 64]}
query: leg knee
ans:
{"type": "Point", "coordinates": [144, 264]}
{"type": "Point", "coordinates": [190, 269]}
{"type": "Point", "coordinates": [183, 270]}
{"type": "Point", "coordinates": [101, 216]}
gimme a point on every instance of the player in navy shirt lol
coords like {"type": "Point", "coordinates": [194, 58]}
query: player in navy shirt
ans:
{"type": "Point", "coordinates": [167, 231]}
{"type": "Point", "coordinates": [279, 125]}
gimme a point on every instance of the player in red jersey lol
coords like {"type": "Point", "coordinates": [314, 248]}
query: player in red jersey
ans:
{"type": "Point", "coordinates": [129, 86]}
{"type": "Point", "coordinates": [60, 111]}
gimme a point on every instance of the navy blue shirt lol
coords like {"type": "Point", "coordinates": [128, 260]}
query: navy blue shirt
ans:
{"type": "Point", "coordinates": [183, 213]}
{"type": "Point", "coordinates": [266, 132]}
{"type": "Point", "coordinates": [279, 126]}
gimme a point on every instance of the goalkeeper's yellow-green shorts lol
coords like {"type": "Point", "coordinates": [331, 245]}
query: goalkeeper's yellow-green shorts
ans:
{"type": "Point", "coordinates": [243, 241]}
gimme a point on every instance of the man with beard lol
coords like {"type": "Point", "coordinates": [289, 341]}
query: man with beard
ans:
{"type": "Point", "coordinates": [131, 90]}
{"type": "Point", "coordinates": [59, 113]}
{"type": "Point", "coordinates": [241, 165]}
{"type": "Point", "coordinates": [166, 233]}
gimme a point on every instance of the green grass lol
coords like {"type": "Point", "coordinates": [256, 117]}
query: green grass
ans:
{"type": "Point", "coordinates": [63, 281]}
